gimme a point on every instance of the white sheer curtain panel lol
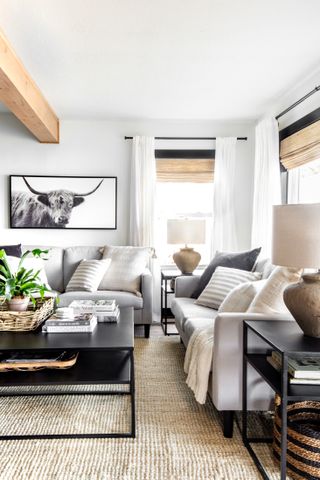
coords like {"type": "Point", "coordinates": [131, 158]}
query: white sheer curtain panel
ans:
{"type": "Point", "coordinates": [142, 205]}
{"type": "Point", "coordinates": [293, 185]}
{"type": "Point", "coordinates": [224, 235]}
{"type": "Point", "coordinates": [267, 189]}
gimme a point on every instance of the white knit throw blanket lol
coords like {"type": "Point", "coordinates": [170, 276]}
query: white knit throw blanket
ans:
{"type": "Point", "coordinates": [198, 361]}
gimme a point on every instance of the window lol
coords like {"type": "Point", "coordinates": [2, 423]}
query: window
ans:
{"type": "Point", "coordinates": [304, 183]}
{"type": "Point", "coordinates": [184, 190]}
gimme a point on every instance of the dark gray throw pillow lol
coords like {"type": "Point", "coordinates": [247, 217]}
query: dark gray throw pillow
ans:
{"type": "Point", "coordinates": [242, 261]}
{"type": "Point", "coordinates": [12, 250]}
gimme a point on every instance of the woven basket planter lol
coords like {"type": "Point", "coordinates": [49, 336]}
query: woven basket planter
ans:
{"type": "Point", "coordinates": [303, 450]}
{"type": "Point", "coordinates": [28, 320]}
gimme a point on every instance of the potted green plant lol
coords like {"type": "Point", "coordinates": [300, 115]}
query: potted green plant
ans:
{"type": "Point", "coordinates": [20, 286]}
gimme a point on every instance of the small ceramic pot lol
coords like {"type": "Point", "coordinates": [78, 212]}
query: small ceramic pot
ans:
{"type": "Point", "coordinates": [18, 304]}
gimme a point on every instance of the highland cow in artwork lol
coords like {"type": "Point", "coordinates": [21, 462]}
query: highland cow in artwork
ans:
{"type": "Point", "coordinates": [52, 202]}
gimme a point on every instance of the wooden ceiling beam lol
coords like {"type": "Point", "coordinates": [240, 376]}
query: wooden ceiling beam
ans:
{"type": "Point", "coordinates": [23, 98]}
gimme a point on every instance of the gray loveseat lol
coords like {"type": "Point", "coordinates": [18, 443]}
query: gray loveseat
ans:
{"type": "Point", "coordinates": [61, 265]}
{"type": "Point", "coordinates": [225, 385]}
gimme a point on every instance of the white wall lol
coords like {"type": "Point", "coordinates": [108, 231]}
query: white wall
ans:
{"type": "Point", "coordinates": [98, 148]}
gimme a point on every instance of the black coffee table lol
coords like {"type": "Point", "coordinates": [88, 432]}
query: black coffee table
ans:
{"type": "Point", "coordinates": [105, 357]}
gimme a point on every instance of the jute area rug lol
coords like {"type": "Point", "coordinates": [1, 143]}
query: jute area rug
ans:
{"type": "Point", "coordinates": [177, 439]}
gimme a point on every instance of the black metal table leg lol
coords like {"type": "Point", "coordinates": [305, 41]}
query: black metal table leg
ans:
{"type": "Point", "coordinates": [132, 392]}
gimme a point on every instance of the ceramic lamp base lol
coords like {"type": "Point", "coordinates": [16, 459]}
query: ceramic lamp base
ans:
{"type": "Point", "coordinates": [186, 260]}
{"type": "Point", "coordinates": [303, 301]}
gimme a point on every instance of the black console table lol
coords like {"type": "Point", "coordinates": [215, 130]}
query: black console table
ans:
{"type": "Point", "coordinates": [286, 338]}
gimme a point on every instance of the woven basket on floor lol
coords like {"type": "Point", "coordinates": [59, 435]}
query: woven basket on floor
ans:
{"type": "Point", "coordinates": [28, 320]}
{"type": "Point", "coordinates": [303, 451]}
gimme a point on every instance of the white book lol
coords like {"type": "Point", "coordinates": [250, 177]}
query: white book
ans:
{"type": "Point", "coordinates": [71, 329]}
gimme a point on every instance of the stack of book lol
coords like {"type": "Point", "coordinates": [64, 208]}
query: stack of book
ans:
{"type": "Point", "coordinates": [304, 370]}
{"type": "Point", "coordinates": [105, 310]}
{"type": "Point", "coordinates": [62, 322]}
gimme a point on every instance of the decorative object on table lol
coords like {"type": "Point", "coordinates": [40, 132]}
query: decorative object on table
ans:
{"type": "Point", "coordinates": [88, 275]}
{"type": "Point", "coordinates": [18, 284]}
{"type": "Point", "coordinates": [223, 281]}
{"type": "Point", "coordinates": [241, 260]}
{"type": "Point", "coordinates": [83, 323]}
{"type": "Point", "coordinates": [28, 320]}
{"type": "Point", "coordinates": [106, 311]}
{"type": "Point", "coordinates": [184, 231]}
{"type": "Point", "coordinates": [63, 202]}
{"type": "Point", "coordinates": [301, 370]}
{"type": "Point", "coordinates": [26, 362]}
{"type": "Point", "coordinates": [303, 435]}
{"type": "Point", "coordinates": [296, 243]}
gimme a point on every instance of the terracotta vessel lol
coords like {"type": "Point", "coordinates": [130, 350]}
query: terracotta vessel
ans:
{"type": "Point", "coordinates": [18, 304]}
{"type": "Point", "coordinates": [187, 260]}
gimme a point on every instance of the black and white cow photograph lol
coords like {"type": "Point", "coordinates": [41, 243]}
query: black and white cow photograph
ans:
{"type": "Point", "coordinates": [63, 202]}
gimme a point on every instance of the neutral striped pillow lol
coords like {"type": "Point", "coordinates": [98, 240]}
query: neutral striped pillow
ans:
{"type": "Point", "coordinates": [88, 275]}
{"type": "Point", "coordinates": [221, 283]}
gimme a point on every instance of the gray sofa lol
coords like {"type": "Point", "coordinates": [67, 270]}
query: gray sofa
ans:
{"type": "Point", "coordinates": [225, 385]}
{"type": "Point", "coordinates": [61, 265]}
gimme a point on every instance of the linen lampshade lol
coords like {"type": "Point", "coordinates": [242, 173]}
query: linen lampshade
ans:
{"type": "Point", "coordinates": [186, 231]}
{"type": "Point", "coordinates": [296, 235]}
{"type": "Point", "coordinates": [296, 243]}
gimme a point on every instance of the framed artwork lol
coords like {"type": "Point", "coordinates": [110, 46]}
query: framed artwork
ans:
{"type": "Point", "coordinates": [38, 201]}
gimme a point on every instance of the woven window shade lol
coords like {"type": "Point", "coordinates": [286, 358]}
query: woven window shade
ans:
{"type": "Point", "coordinates": [301, 147]}
{"type": "Point", "coordinates": [185, 170]}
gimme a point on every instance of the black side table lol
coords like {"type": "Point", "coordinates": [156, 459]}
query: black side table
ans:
{"type": "Point", "coordinates": [286, 338]}
{"type": "Point", "coordinates": [167, 274]}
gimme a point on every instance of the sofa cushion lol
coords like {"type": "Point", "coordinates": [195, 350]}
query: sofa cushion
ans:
{"type": "Point", "coordinates": [242, 261]}
{"type": "Point", "coordinates": [239, 299]}
{"type": "Point", "coordinates": [184, 308]}
{"type": "Point", "coordinates": [88, 275]}
{"type": "Point", "coordinates": [124, 299]}
{"type": "Point", "coordinates": [53, 266]}
{"type": "Point", "coordinates": [12, 250]}
{"type": "Point", "coordinates": [191, 324]}
{"type": "Point", "coordinates": [221, 283]}
{"type": "Point", "coordinates": [73, 256]}
{"type": "Point", "coordinates": [127, 265]}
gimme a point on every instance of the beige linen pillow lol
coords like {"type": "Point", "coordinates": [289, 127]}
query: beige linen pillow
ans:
{"type": "Point", "coordinates": [270, 298]}
{"type": "Point", "coordinates": [240, 298]}
{"type": "Point", "coordinates": [223, 280]}
{"type": "Point", "coordinates": [127, 265]}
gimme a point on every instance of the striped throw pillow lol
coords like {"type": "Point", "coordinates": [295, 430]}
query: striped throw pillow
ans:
{"type": "Point", "coordinates": [221, 283]}
{"type": "Point", "coordinates": [88, 275]}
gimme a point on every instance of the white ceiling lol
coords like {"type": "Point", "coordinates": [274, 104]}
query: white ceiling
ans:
{"type": "Point", "coordinates": [181, 59]}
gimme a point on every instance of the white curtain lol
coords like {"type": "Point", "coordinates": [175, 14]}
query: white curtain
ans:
{"type": "Point", "coordinates": [142, 205]}
{"type": "Point", "coordinates": [142, 192]}
{"type": "Point", "coordinates": [293, 185]}
{"type": "Point", "coordinates": [224, 236]}
{"type": "Point", "coordinates": [267, 190]}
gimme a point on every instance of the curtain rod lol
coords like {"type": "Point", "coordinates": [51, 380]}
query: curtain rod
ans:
{"type": "Point", "coordinates": [187, 138]}
{"type": "Point", "coordinates": [295, 104]}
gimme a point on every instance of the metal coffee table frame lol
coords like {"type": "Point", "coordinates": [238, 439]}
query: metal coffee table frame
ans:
{"type": "Point", "coordinates": [106, 357]}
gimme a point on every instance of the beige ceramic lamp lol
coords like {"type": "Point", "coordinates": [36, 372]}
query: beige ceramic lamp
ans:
{"type": "Point", "coordinates": [296, 243]}
{"type": "Point", "coordinates": [184, 231]}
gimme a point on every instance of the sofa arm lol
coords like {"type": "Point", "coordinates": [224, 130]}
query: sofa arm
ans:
{"type": "Point", "coordinates": [185, 285]}
{"type": "Point", "coordinates": [147, 295]}
{"type": "Point", "coordinates": [227, 363]}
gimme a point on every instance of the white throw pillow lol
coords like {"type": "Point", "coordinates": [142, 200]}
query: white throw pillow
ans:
{"type": "Point", "coordinates": [240, 298]}
{"type": "Point", "coordinates": [270, 298]}
{"type": "Point", "coordinates": [30, 263]}
{"type": "Point", "coordinates": [88, 275]}
{"type": "Point", "coordinates": [224, 280]}
{"type": "Point", "coordinates": [127, 266]}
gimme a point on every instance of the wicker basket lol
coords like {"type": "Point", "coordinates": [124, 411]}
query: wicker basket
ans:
{"type": "Point", "coordinates": [28, 320]}
{"type": "Point", "coordinates": [303, 450]}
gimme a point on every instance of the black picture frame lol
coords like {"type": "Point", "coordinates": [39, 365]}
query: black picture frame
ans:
{"type": "Point", "coordinates": [21, 216]}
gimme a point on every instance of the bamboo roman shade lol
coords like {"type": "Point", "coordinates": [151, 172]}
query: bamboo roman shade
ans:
{"type": "Point", "coordinates": [185, 170]}
{"type": "Point", "coordinates": [301, 147]}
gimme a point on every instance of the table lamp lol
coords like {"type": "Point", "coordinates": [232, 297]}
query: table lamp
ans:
{"type": "Point", "coordinates": [296, 243]}
{"type": "Point", "coordinates": [184, 231]}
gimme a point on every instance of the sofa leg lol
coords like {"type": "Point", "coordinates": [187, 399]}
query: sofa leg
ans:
{"type": "Point", "coordinates": [146, 331]}
{"type": "Point", "coordinates": [227, 416]}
